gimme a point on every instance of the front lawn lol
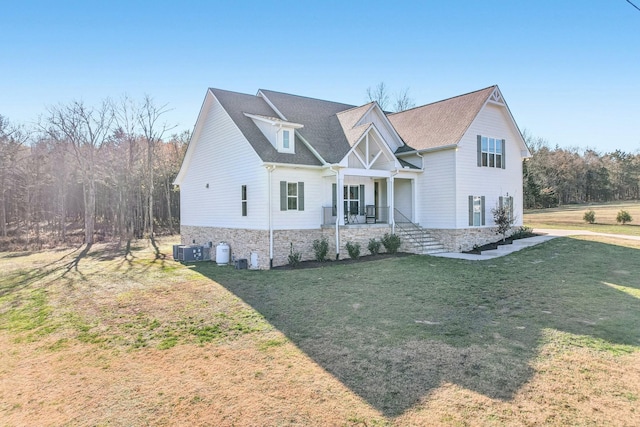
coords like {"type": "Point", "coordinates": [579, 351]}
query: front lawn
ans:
{"type": "Point", "coordinates": [126, 336]}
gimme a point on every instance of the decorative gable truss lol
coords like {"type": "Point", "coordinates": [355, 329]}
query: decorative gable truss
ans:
{"type": "Point", "coordinates": [371, 152]}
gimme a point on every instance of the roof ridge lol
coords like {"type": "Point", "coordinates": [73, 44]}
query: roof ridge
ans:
{"type": "Point", "coordinates": [443, 100]}
{"type": "Point", "coordinates": [308, 97]}
{"type": "Point", "coordinates": [355, 108]}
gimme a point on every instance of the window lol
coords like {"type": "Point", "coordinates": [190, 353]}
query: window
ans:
{"type": "Point", "coordinates": [291, 196]}
{"type": "Point", "coordinates": [285, 139]}
{"type": "Point", "coordinates": [244, 200]}
{"type": "Point", "coordinates": [476, 211]}
{"type": "Point", "coordinates": [491, 152]}
{"type": "Point", "coordinates": [351, 199]}
{"type": "Point", "coordinates": [507, 203]}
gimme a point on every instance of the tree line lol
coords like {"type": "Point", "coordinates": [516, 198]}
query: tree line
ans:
{"type": "Point", "coordinates": [106, 170]}
{"type": "Point", "coordinates": [559, 176]}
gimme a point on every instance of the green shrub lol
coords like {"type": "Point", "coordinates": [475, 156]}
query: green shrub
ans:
{"type": "Point", "coordinates": [623, 217]}
{"type": "Point", "coordinates": [503, 220]}
{"type": "Point", "coordinates": [374, 246]}
{"type": "Point", "coordinates": [589, 216]}
{"type": "Point", "coordinates": [522, 233]}
{"type": "Point", "coordinates": [353, 249]}
{"type": "Point", "coordinates": [321, 249]}
{"type": "Point", "coordinates": [391, 242]}
{"type": "Point", "coordinates": [294, 257]}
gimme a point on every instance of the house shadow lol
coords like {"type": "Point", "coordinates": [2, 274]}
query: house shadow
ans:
{"type": "Point", "coordinates": [394, 330]}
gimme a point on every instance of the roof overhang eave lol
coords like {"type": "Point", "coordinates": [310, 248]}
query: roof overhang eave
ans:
{"type": "Point", "coordinates": [429, 150]}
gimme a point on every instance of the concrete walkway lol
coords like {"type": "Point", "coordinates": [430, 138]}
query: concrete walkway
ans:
{"type": "Point", "coordinates": [530, 241]}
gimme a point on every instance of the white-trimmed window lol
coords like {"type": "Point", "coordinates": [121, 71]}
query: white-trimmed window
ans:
{"type": "Point", "coordinates": [285, 141]}
{"type": "Point", "coordinates": [291, 196]}
{"type": "Point", "coordinates": [476, 211]}
{"type": "Point", "coordinates": [244, 200]}
{"type": "Point", "coordinates": [352, 195]}
{"type": "Point", "coordinates": [491, 152]}
{"type": "Point", "coordinates": [507, 203]}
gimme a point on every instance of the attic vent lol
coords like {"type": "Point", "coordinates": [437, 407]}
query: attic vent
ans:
{"type": "Point", "coordinates": [496, 96]}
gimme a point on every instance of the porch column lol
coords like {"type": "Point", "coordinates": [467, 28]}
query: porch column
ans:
{"type": "Point", "coordinates": [390, 196]}
{"type": "Point", "coordinates": [339, 209]}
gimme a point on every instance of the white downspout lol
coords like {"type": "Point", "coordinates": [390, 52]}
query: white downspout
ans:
{"type": "Point", "coordinates": [270, 169]}
{"type": "Point", "coordinates": [392, 204]}
{"type": "Point", "coordinates": [338, 206]}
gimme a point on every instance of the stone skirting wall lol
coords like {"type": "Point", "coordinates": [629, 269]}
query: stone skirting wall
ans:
{"type": "Point", "coordinates": [354, 234]}
{"type": "Point", "coordinates": [243, 242]}
{"type": "Point", "coordinates": [464, 239]}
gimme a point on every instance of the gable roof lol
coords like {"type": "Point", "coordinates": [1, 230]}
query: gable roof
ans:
{"type": "Point", "coordinates": [440, 123]}
{"type": "Point", "coordinates": [237, 104]}
{"type": "Point", "coordinates": [322, 128]}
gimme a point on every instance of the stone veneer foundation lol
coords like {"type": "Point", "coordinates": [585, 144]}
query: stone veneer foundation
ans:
{"type": "Point", "coordinates": [243, 242]}
{"type": "Point", "coordinates": [459, 240]}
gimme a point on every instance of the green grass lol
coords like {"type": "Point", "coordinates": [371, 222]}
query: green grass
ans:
{"type": "Point", "coordinates": [571, 217]}
{"type": "Point", "coordinates": [395, 329]}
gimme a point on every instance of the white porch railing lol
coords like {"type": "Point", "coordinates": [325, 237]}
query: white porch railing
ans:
{"type": "Point", "coordinates": [380, 216]}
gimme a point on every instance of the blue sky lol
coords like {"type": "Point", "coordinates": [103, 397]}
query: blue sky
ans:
{"type": "Point", "coordinates": [570, 71]}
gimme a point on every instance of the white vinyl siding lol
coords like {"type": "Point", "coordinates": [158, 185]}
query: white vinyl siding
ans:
{"type": "Point", "coordinates": [436, 201]}
{"type": "Point", "coordinates": [488, 181]}
{"type": "Point", "coordinates": [311, 216]}
{"type": "Point", "coordinates": [223, 159]}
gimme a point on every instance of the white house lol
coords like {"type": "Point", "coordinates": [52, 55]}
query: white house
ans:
{"type": "Point", "coordinates": [275, 171]}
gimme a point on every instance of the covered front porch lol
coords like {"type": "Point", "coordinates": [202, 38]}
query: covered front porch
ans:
{"type": "Point", "coordinates": [368, 200]}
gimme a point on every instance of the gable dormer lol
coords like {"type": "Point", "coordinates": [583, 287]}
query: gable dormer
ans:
{"type": "Point", "coordinates": [280, 133]}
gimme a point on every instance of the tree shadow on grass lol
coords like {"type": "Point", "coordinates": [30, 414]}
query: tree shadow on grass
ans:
{"type": "Point", "coordinates": [395, 330]}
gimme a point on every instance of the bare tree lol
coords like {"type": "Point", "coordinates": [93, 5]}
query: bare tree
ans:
{"type": "Point", "coordinates": [12, 139]}
{"type": "Point", "coordinates": [380, 94]}
{"type": "Point", "coordinates": [86, 129]}
{"type": "Point", "coordinates": [149, 116]}
{"type": "Point", "coordinates": [403, 101]}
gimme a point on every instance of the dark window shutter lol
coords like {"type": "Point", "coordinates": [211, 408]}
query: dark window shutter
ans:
{"type": "Point", "coordinates": [301, 196]}
{"type": "Point", "coordinates": [482, 209]}
{"type": "Point", "coordinates": [361, 199]}
{"type": "Point", "coordinates": [283, 195]}
{"type": "Point", "coordinates": [334, 199]}
{"type": "Point", "coordinates": [511, 208]}
{"type": "Point", "coordinates": [504, 154]}
{"type": "Point", "coordinates": [479, 150]}
{"type": "Point", "coordinates": [471, 211]}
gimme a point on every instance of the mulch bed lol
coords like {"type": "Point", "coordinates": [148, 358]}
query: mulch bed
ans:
{"type": "Point", "coordinates": [342, 261]}
{"type": "Point", "coordinates": [491, 246]}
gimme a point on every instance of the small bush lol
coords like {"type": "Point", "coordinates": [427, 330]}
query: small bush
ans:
{"type": "Point", "coordinates": [623, 217]}
{"type": "Point", "coordinates": [391, 242]}
{"type": "Point", "coordinates": [374, 246]}
{"type": "Point", "coordinates": [321, 249]}
{"type": "Point", "coordinates": [589, 216]}
{"type": "Point", "coordinates": [294, 257]}
{"type": "Point", "coordinates": [353, 249]}
{"type": "Point", "coordinates": [522, 233]}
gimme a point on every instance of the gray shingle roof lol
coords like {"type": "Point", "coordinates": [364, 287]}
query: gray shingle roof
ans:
{"type": "Point", "coordinates": [321, 129]}
{"type": "Point", "coordinates": [236, 104]}
{"type": "Point", "coordinates": [441, 123]}
{"type": "Point", "coordinates": [330, 127]}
